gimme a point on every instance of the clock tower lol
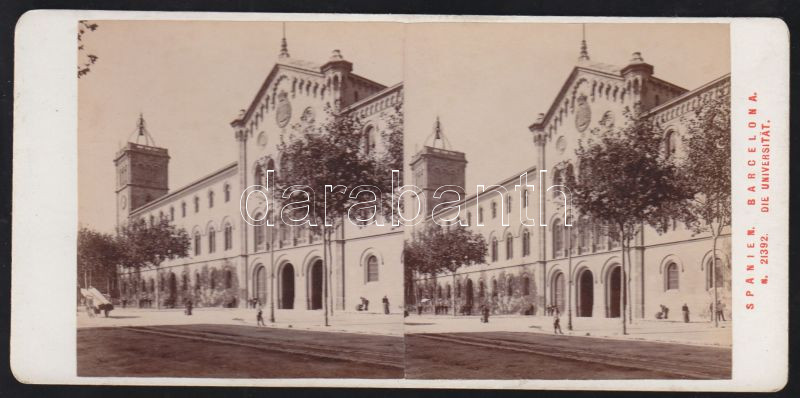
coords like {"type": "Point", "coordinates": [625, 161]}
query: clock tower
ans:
{"type": "Point", "coordinates": [141, 173]}
{"type": "Point", "coordinates": [437, 165]}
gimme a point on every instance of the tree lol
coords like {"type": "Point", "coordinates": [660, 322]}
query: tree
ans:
{"type": "Point", "coordinates": [337, 152]}
{"type": "Point", "coordinates": [440, 249]}
{"type": "Point", "coordinates": [147, 245]}
{"type": "Point", "coordinates": [706, 169]}
{"type": "Point", "coordinates": [98, 254]}
{"type": "Point", "coordinates": [626, 180]}
{"type": "Point", "coordinates": [85, 60]}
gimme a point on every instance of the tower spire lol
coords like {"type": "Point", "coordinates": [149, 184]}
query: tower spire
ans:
{"type": "Point", "coordinates": [141, 132]}
{"type": "Point", "coordinates": [584, 51]}
{"type": "Point", "coordinates": [284, 48]}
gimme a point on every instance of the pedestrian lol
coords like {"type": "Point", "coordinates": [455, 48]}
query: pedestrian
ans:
{"type": "Point", "coordinates": [385, 305]}
{"type": "Point", "coordinates": [557, 322]}
{"type": "Point", "coordinates": [485, 310]}
{"type": "Point", "coordinates": [666, 312]}
{"type": "Point", "coordinates": [189, 306]}
{"type": "Point", "coordinates": [720, 311]}
{"type": "Point", "coordinates": [260, 318]}
{"type": "Point", "coordinates": [685, 310]}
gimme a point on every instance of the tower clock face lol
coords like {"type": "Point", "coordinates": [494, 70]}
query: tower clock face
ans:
{"type": "Point", "coordinates": [123, 202]}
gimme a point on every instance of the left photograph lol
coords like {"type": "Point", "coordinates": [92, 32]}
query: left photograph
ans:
{"type": "Point", "coordinates": [235, 199]}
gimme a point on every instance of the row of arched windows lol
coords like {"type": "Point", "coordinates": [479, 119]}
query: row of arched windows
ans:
{"type": "Point", "coordinates": [212, 239]}
{"type": "Point", "coordinates": [672, 275]}
{"type": "Point", "coordinates": [582, 236]}
{"type": "Point", "coordinates": [294, 235]}
{"type": "Point", "coordinates": [526, 246]}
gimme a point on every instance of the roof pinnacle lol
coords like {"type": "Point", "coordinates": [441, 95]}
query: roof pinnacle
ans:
{"type": "Point", "coordinates": [584, 51]}
{"type": "Point", "coordinates": [284, 47]}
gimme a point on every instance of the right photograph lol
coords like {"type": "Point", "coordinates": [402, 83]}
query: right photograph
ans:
{"type": "Point", "coordinates": [573, 187]}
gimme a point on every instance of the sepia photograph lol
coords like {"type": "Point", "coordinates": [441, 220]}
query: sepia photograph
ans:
{"type": "Point", "coordinates": [188, 262]}
{"type": "Point", "coordinates": [577, 184]}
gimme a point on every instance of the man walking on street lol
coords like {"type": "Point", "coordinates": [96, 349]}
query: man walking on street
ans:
{"type": "Point", "coordinates": [557, 322]}
{"type": "Point", "coordinates": [685, 310]}
{"type": "Point", "coordinates": [385, 305]}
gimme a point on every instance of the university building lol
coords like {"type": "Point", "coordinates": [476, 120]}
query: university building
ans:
{"type": "Point", "coordinates": [529, 268]}
{"type": "Point", "coordinates": [232, 262]}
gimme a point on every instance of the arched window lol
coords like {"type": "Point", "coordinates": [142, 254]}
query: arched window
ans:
{"type": "Point", "coordinates": [670, 144]}
{"type": "Point", "coordinates": [438, 291]}
{"type": "Point", "coordinates": [212, 283]}
{"type": "Point", "coordinates": [152, 219]}
{"type": "Point", "coordinates": [172, 213]}
{"type": "Point", "coordinates": [469, 218]}
{"type": "Point", "coordinates": [196, 204]}
{"type": "Point", "coordinates": [481, 289]}
{"type": "Point", "coordinates": [525, 198]}
{"type": "Point", "coordinates": [227, 192]}
{"type": "Point", "coordinates": [197, 281]}
{"type": "Point", "coordinates": [718, 276]}
{"type": "Point", "coordinates": [526, 286]}
{"type": "Point", "coordinates": [480, 215]}
{"type": "Point", "coordinates": [197, 243]}
{"type": "Point", "coordinates": [152, 285]}
{"type": "Point", "coordinates": [183, 209]}
{"type": "Point", "coordinates": [258, 234]}
{"type": "Point", "coordinates": [372, 269]}
{"type": "Point", "coordinates": [458, 289]}
{"type": "Point", "coordinates": [558, 236]}
{"type": "Point", "coordinates": [258, 177]}
{"type": "Point", "coordinates": [585, 229]}
{"type": "Point", "coordinates": [212, 240]}
{"type": "Point", "coordinates": [526, 243]}
{"type": "Point", "coordinates": [210, 199]}
{"type": "Point", "coordinates": [508, 203]}
{"type": "Point", "coordinates": [557, 180]}
{"type": "Point", "coordinates": [160, 215]}
{"type": "Point", "coordinates": [509, 246]}
{"type": "Point", "coordinates": [494, 249]}
{"type": "Point", "coordinates": [448, 292]}
{"type": "Point", "coordinates": [271, 165]}
{"type": "Point", "coordinates": [228, 279]}
{"type": "Point", "coordinates": [228, 237]}
{"type": "Point", "coordinates": [510, 286]}
{"type": "Point", "coordinates": [494, 209]}
{"type": "Point", "coordinates": [143, 285]}
{"type": "Point", "coordinates": [185, 282]}
{"type": "Point", "coordinates": [369, 139]}
{"type": "Point", "coordinates": [672, 276]}
{"type": "Point", "coordinates": [495, 291]}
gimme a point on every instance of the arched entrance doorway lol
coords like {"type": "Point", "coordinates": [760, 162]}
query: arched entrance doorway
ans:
{"type": "Point", "coordinates": [260, 281]}
{"type": "Point", "coordinates": [557, 290]}
{"type": "Point", "coordinates": [614, 293]}
{"type": "Point", "coordinates": [286, 298]}
{"type": "Point", "coordinates": [315, 286]}
{"type": "Point", "coordinates": [585, 293]}
{"type": "Point", "coordinates": [470, 295]}
{"type": "Point", "coordinates": [172, 290]}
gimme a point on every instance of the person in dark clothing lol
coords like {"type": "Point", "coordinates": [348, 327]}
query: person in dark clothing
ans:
{"type": "Point", "coordinates": [557, 323]}
{"type": "Point", "coordinates": [188, 307]}
{"type": "Point", "coordinates": [260, 317]}
{"type": "Point", "coordinates": [485, 311]}
{"type": "Point", "coordinates": [720, 311]}
{"type": "Point", "coordinates": [685, 310]}
{"type": "Point", "coordinates": [385, 305]}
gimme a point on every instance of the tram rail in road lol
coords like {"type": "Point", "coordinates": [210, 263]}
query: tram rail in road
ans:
{"type": "Point", "coordinates": [267, 343]}
{"type": "Point", "coordinates": [679, 366]}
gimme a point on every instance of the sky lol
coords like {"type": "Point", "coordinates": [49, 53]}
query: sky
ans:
{"type": "Point", "coordinates": [189, 80]}
{"type": "Point", "coordinates": [486, 82]}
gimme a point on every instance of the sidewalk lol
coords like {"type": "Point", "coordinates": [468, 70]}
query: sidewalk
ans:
{"type": "Point", "coordinates": [701, 333]}
{"type": "Point", "coordinates": [348, 322]}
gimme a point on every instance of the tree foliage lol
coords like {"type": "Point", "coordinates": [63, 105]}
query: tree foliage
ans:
{"type": "Point", "coordinates": [706, 168]}
{"type": "Point", "coordinates": [333, 153]}
{"type": "Point", "coordinates": [148, 245]}
{"type": "Point", "coordinates": [438, 249]}
{"type": "Point", "coordinates": [98, 253]}
{"type": "Point", "coordinates": [626, 178]}
{"type": "Point", "coordinates": [85, 60]}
